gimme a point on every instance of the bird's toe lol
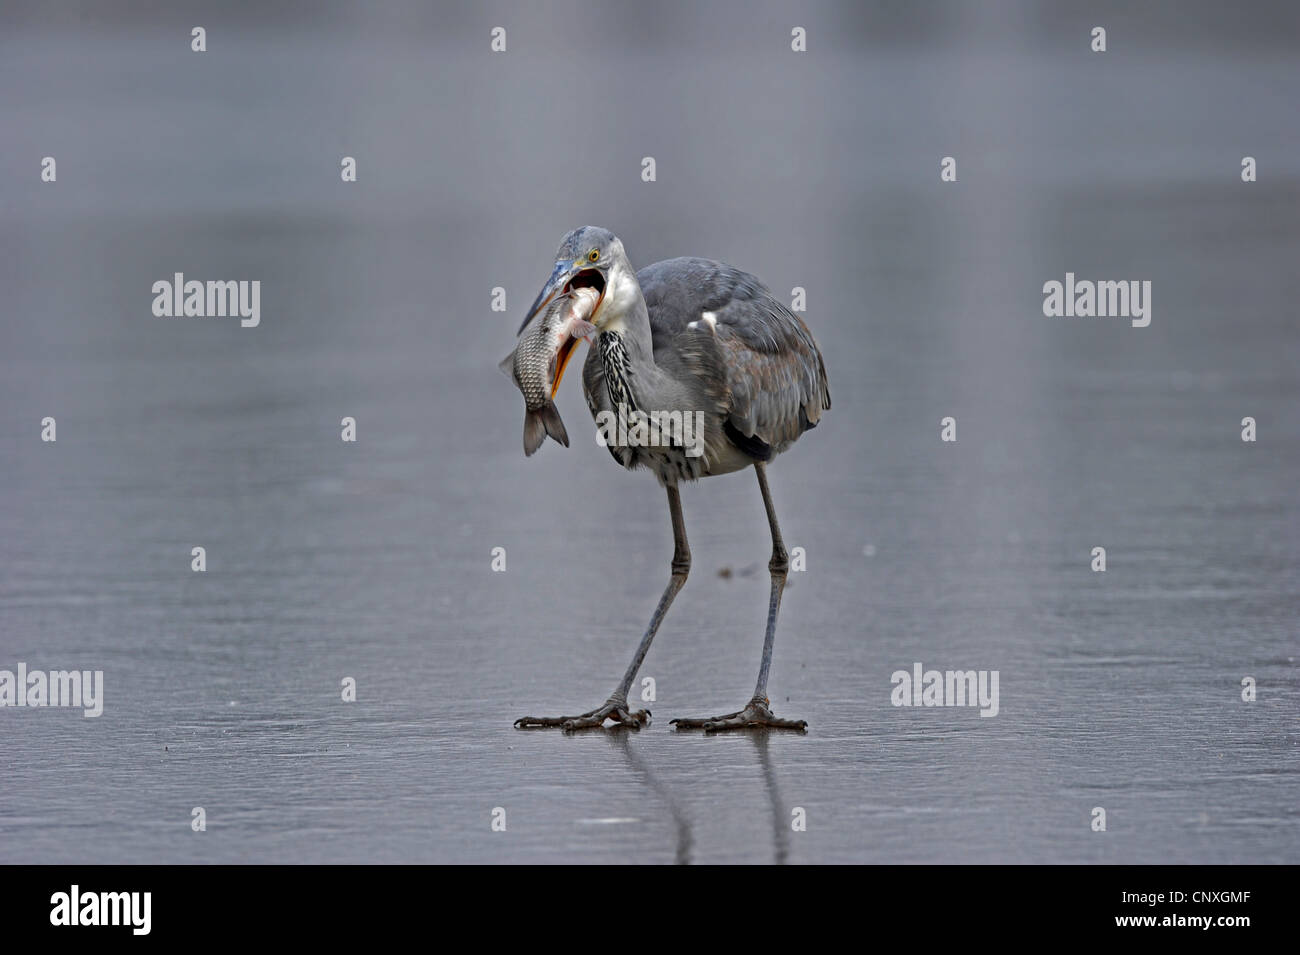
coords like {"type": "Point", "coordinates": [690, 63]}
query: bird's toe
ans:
{"type": "Point", "coordinates": [754, 716]}
{"type": "Point", "coordinates": [612, 710]}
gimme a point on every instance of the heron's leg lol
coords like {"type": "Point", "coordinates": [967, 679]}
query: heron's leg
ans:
{"type": "Point", "coordinates": [756, 713]}
{"type": "Point", "coordinates": [615, 708]}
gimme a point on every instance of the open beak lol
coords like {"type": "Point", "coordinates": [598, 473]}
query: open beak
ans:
{"type": "Point", "coordinates": [566, 277]}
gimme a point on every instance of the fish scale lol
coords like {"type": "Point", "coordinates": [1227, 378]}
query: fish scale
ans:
{"type": "Point", "coordinates": [533, 363]}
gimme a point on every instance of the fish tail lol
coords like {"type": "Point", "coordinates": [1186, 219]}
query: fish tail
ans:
{"type": "Point", "coordinates": [554, 426]}
{"type": "Point", "coordinates": [538, 424]}
{"type": "Point", "coordinates": [534, 432]}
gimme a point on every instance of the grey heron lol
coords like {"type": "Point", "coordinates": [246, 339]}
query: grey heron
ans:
{"type": "Point", "coordinates": [693, 336]}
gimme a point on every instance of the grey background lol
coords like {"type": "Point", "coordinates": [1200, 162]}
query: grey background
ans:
{"type": "Point", "coordinates": [372, 560]}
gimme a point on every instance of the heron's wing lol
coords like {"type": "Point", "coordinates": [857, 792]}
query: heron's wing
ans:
{"type": "Point", "coordinates": [593, 383]}
{"type": "Point", "coordinates": [773, 370]}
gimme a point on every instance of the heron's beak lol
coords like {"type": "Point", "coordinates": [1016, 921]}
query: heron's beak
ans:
{"type": "Point", "coordinates": [565, 277]}
{"type": "Point", "coordinates": [564, 271]}
{"type": "Point", "coordinates": [561, 362]}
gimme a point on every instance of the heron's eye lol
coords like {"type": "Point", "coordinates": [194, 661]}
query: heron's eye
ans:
{"type": "Point", "coordinates": [593, 255]}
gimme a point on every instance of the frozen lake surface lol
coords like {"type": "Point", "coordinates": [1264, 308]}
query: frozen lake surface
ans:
{"type": "Point", "coordinates": [328, 560]}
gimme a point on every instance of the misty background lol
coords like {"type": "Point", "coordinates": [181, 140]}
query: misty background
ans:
{"type": "Point", "coordinates": [372, 560]}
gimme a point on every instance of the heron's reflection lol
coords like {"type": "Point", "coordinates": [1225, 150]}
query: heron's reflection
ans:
{"type": "Point", "coordinates": [639, 765]}
{"type": "Point", "coordinates": [683, 827]}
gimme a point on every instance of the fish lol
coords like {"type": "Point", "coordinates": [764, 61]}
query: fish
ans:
{"type": "Point", "coordinates": [538, 361]}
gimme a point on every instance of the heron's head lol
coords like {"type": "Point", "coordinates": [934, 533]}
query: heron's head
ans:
{"type": "Point", "coordinates": [592, 257]}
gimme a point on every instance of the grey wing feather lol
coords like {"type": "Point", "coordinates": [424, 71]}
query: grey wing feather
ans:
{"type": "Point", "coordinates": [774, 374]}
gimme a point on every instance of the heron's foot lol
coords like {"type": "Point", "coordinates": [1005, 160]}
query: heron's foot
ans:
{"type": "Point", "coordinates": [756, 715]}
{"type": "Point", "coordinates": [613, 709]}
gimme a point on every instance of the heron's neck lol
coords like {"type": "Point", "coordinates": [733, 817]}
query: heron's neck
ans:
{"type": "Point", "coordinates": [618, 368]}
{"type": "Point", "coordinates": [626, 349]}
{"type": "Point", "coordinates": [624, 313]}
